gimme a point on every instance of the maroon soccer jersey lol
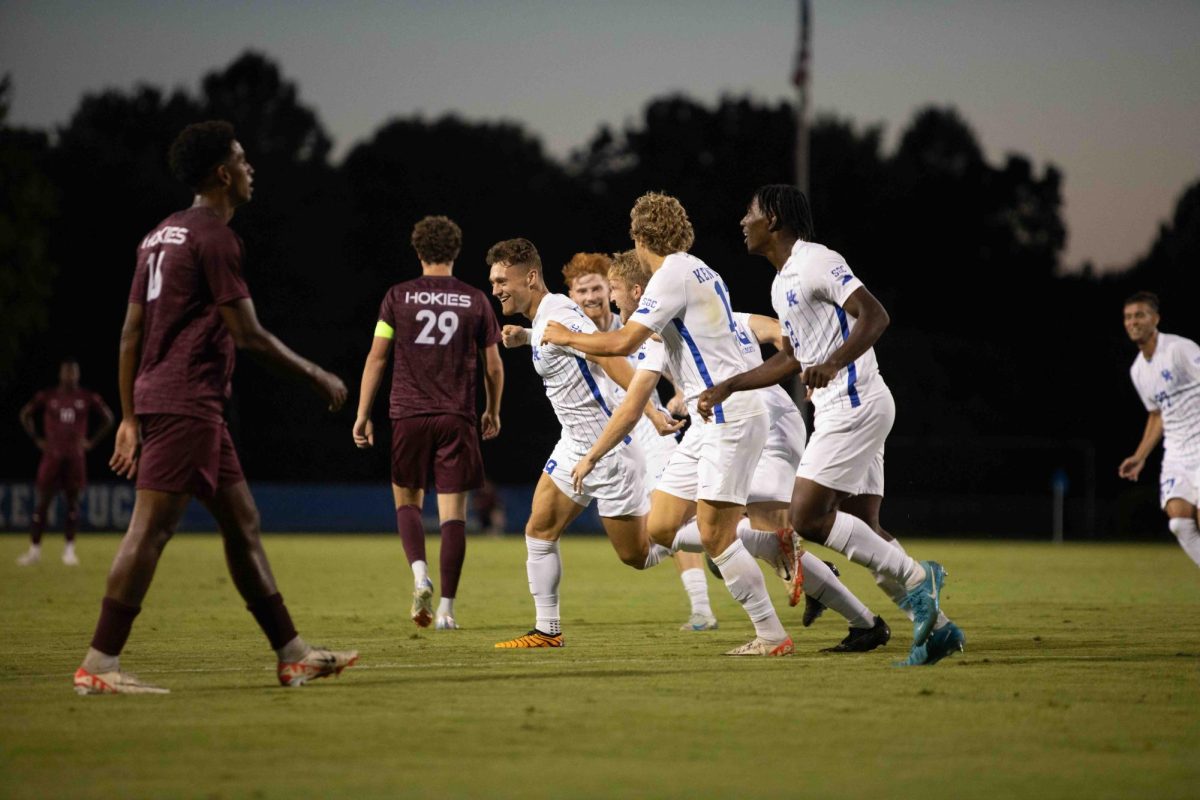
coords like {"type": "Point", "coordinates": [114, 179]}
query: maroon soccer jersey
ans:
{"type": "Point", "coordinates": [440, 324]}
{"type": "Point", "coordinates": [65, 418]}
{"type": "Point", "coordinates": [187, 267]}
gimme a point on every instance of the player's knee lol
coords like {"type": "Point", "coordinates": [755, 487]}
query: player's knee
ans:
{"type": "Point", "coordinates": [811, 527]}
{"type": "Point", "coordinates": [535, 531]}
{"type": "Point", "coordinates": [633, 558]}
{"type": "Point", "coordinates": [1182, 526]}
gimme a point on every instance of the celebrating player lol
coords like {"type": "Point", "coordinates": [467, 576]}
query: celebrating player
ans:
{"type": "Point", "coordinates": [687, 304]}
{"type": "Point", "coordinates": [1166, 376]}
{"type": "Point", "coordinates": [189, 308]}
{"type": "Point", "coordinates": [66, 410]}
{"type": "Point", "coordinates": [434, 325]}
{"type": "Point", "coordinates": [832, 321]}
{"type": "Point", "coordinates": [582, 408]}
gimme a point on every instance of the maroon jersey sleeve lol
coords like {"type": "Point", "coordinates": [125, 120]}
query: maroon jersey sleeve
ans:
{"type": "Point", "coordinates": [489, 328]}
{"type": "Point", "coordinates": [387, 312]}
{"type": "Point", "coordinates": [137, 292]}
{"type": "Point", "coordinates": [220, 257]}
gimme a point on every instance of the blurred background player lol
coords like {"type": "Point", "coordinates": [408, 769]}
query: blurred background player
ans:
{"type": "Point", "coordinates": [189, 308]}
{"type": "Point", "coordinates": [1166, 376]}
{"type": "Point", "coordinates": [435, 328]}
{"type": "Point", "coordinates": [587, 279]}
{"type": "Point", "coordinates": [66, 411]}
{"type": "Point", "coordinates": [687, 304]}
{"type": "Point", "coordinates": [583, 406]}
{"type": "Point", "coordinates": [832, 321]}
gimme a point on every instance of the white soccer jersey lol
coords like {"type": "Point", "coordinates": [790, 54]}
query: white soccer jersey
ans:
{"type": "Point", "coordinates": [1170, 382]}
{"type": "Point", "coordinates": [777, 401]}
{"type": "Point", "coordinates": [687, 304]}
{"type": "Point", "coordinates": [808, 294]}
{"type": "Point", "coordinates": [578, 399]}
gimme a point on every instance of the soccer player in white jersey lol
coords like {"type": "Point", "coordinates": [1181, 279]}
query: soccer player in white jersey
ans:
{"type": "Point", "coordinates": [687, 304]}
{"type": "Point", "coordinates": [582, 409]}
{"type": "Point", "coordinates": [832, 321]}
{"type": "Point", "coordinates": [587, 278]}
{"type": "Point", "coordinates": [771, 485]}
{"type": "Point", "coordinates": [1166, 375]}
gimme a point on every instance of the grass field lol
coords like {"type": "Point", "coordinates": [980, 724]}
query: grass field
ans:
{"type": "Point", "coordinates": [1080, 680]}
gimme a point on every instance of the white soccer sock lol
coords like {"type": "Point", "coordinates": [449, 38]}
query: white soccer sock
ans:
{"type": "Point", "coordinates": [293, 651]}
{"type": "Point", "coordinates": [855, 539]}
{"type": "Point", "coordinates": [761, 544]}
{"type": "Point", "coordinates": [746, 584]}
{"type": "Point", "coordinates": [96, 662]}
{"type": "Point", "coordinates": [420, 572]}
{"type": "Point", "coordinates": [696, 586]}
{"type": "Point", "coordinates": [544, 567]}
{"type": "Point", "coordinates": [821, 584]}
{"type": "Point", "coordinates": [36, 549]}
{"type": "Point", "coordinates": [446, 607]}
{"type": "Point", "coordinates": [69, 548]}
{"type": "Point", "coordinates": [1188, 534]}
{"type": "Point", "coordinates": [896, 591]}
{"type": "Point", "coordinates": [655, 555]}
{"type": "Point", "coordinates": [687, 538]}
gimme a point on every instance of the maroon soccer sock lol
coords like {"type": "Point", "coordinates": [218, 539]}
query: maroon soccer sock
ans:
{"type": "Point", "coordinates": [112, 631]}
{"type": "Point", "coordinates": [412, 532]}
{"type": "Point", "coordinates": [454, 552]}
{"type": "Point", "coordinates": [272, 616]}
{"type": "Point", "coordinates": [71, 525]}
{"type": "Point", "coordinates": [38, 527]}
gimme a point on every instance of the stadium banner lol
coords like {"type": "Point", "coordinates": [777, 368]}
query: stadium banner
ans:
{"type": "Point", "coordinates": [284, 507]}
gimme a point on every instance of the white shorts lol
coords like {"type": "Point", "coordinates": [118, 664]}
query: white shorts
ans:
{"type": "Point", "coordinates": [1177, 481]}
{"type": "Point", "coordinates": [775, 476]}
{"type": "Point", "coordinates": [716, 462]}
{"type": "Point", "coordinates": [656, 450]}
{"type": "Point", "coordinates": [616, 484]}
{"type": "Point", "coordinates": [845, 452]}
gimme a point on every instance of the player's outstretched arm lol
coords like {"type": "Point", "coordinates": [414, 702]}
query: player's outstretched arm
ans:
{"type": "Point", "coordinates": [364, 430]}
{"type": "Point", "coordinates": [619, 369]}
{"type": "Point", "coordinates": [493, 389]}
{"type": "Point", "coordinates": [249, 335]}
{"type": "Point", "coordinates": [622, 421]}
{"type": "Point", "coordinates": [871, 320]}
{"type": "Point", "coordinates": [125, 448]}
{"type": "Point", "coordinates": [621, 342]}
{"type": "Point", "coordinates": [767, 330]}
{"type": "Point", "coordinates": [1131, 467]}
{"type": "Point", "coordinates": [779, 366]}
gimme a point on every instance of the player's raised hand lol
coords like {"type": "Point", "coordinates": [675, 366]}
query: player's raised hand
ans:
{"type": "Point", "coordinates": [489, 425]}
{"type": "Point", "coordinates": [556, 333]}
{"type": "Point", "coordinates": [583, 467]}
{"type": "Point", "coordinates": [125, 449]}
{"type": "Point", "coordinates": [710, 398]}
{"type": "Point", "coordinates": [666, 425]}
{"type": "Point", "coordinates": [1131, 468]}
{"type": "Point", "coordinates": [330, 387]}
{"type": "Point", "coordinates": [818, 376]}
{"type": "Point", "coordinates": [363, 433]}
{"type": "Point", "coordinates": [513, 336]}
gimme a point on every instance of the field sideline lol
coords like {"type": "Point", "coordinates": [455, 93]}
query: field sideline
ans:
{"type": "Point", "coordinates": [1080, 680]}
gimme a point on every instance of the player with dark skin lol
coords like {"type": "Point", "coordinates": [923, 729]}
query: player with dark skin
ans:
{"type": "Point", "coordinates": [220, 189]}
{"type": "Point", "coordinates": [64, 442]}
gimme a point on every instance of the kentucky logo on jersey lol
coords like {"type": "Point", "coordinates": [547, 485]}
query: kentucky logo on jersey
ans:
{"type": "Point", "coordinates": [1167, 376]}
{"type": "Point", "coordinates": [791, 298]}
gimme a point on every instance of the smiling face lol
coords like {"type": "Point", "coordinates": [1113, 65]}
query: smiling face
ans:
{"type": "Point", "coordinates": [591, 293]}
{"type": "Point", "coordinates": [756, 229]}
{"type": "Point", "coordinates": [512, 286]}
{"type": "Point", "coordinates": [1141, 322]}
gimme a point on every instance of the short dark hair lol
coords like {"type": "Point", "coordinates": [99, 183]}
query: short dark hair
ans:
{"type": "Point", "coordinates": [1149, 298]}
{"type": "Point", "coordinates": [515, 253]}
{"type": "Point", "coordinates": [199, 149]}
{"type": "Point", "coordinates": [788, 206]}
{"type": "Point", "coordinates": [437, 240]}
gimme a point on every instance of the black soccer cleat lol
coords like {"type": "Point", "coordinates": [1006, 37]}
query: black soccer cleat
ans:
{"type": "Point", "coordinates": [814, 608]}
{"type": "Point", "coordinates": [863, 640]}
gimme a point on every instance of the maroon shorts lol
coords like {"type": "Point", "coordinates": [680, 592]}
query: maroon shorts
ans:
{"type": "Point", "coordinates": [61, 472]}
{"type": "Point", "coordinates": [186, 455]}
{"type": "Point", "coordinates": [441, 447]}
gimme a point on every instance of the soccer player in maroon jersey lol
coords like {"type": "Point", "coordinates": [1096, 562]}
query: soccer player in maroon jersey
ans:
{"type": "Point", "coordinates": [435, 327]}
{"type": "Point", "coordinates": [66, 410]}
{"type": "Point", "coordinates": [189, 309]}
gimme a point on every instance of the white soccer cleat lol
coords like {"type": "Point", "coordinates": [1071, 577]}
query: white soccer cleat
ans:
{"type": "Point", "coordinates": [788, 566]}
{"type": "Point", "coordinates": [700, 622]}
{"type": "Point", "coordinates": [29, 558]}
{"type": "Point", "coordinates": [759, 647]}
{"type": "Point", "coordinates": [317, 663]}
{"type": "Point", "coordinates": [445, 622]}
{"type": "Point", "coordinates": [115, 682]}
{"type": "Point", "coordinates": [70, 559]}
{"type": "Point", "coordinates": [422, 604]}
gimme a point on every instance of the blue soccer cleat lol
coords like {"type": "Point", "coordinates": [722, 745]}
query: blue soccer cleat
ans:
{"type": "Point", "coordinates": [924, 601]}
{"type": "Point", "coordinates": [943, 642]}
